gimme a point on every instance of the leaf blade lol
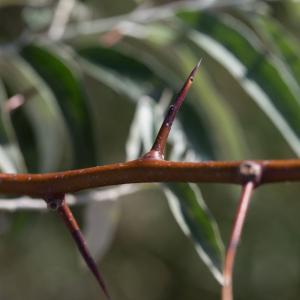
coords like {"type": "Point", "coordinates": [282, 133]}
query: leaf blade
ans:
{"type": "Point", "coordinates": [239, 51]}
{"type": "Point", "coordinates": [194, 218]}
{"type": "Point", "coordinates": [42, 112]}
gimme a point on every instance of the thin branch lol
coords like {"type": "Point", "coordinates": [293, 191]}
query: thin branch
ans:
{"type": "Point", "coordinates": [61, 17]}
{"type": "Point", "coordinates": [234, 240]}
{"type": "Point", "coordinates": [158, 148]}
{"type": "Point", "coordinates": [252, 174]}
{"type": "Point", "coordinates": [102, 25]}
{"type": "Point", "coordinates": [58, 203]}
{"type": "Point", "coordinates": [148, 15]}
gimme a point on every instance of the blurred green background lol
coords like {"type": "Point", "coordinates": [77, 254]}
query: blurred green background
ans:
{"type": "Point", "coordinates": [85, 83]}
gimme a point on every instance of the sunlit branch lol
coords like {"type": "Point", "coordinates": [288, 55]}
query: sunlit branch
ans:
{"type": "Point", "coordinates": [143, 171]}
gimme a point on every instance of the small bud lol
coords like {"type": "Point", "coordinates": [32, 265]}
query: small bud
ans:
{"type": "Point", "coordinates": [54, 203]}
{"type": "Point", "coordinates": [251, 171]}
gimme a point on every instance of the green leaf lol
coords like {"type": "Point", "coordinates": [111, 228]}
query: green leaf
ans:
{"type": "Point", "coordinates": [226, 141]}
{"type": "Point", "coordinates": [11, 158]}
{"type": "Point", "coordinates": [210, 140]}
{"type": "Point", "coordinates": [43, 113]}
{"type": "Point", "coordinates": [144, 127]}
{"type": "Point", "coordinates": [101, 220]}
{"type": "Point", "coordinates": [196, 221]}
{"type": "Point", "coordinates": [204, 107]}
{"type": "Point", "coordinates": [240, 52]}
{"type": "Point", "coordinates": [185, 200]}
{"type": "Point", "coordinates": [58, 69]}
{"type": "Point", "coordinates": [141, 133]}
{"type": "Point", "coordinates": [282, 43]}
{"type": "Point", "coordinates": [122, 73]}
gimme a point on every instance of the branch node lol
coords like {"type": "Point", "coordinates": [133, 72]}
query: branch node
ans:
{"type": "Point", "coordinates": [251, 171]}
{"type": "Point", "coordinates": [54, 202]}
{"type": "Point", "coordinates": [153, 154]}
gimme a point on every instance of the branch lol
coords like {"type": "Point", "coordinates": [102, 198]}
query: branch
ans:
{"type": "Point", "coordinates": [143, 171]}
{"type": "Point", "coordinates": [102, 25]}
{"type": "Point", "coordinates": [148, 15]}
{"type": "Point", "coordinates": [61, 17]}
{"type": "Point", "coordinates": [53, 186]}
{"type": "Point", "coordinates": [252, 176]}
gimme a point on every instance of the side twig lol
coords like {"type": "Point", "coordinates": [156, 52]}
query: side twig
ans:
{"type": "Point", "coordinates": [148, 15]}
{"type": "Point", "coordinates": [252, 173]}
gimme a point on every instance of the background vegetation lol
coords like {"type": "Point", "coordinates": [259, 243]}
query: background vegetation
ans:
{"type": "Point", "coordinates": [93, 79]}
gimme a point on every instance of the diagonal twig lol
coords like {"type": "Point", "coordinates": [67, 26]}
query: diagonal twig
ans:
{"type": "Point", "coordinates": [252, 173]}
{"type": "Point", "coordinates": [61, 17]}
{"type": "Point", "coordinates": [148, 15]}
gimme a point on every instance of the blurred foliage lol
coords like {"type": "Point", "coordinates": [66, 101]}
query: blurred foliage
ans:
{"type": "Point", "coordinates": [96, 77]}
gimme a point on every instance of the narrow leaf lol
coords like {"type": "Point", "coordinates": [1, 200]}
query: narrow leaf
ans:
{"type": "Point", "coordinates": [205, 107]}
{"type": "Point", "coordinates": [185, 200]}
{"type": "Point", "coordinates": [122, 73]}
{"type": "Point", "coordinates": [57, 68]}
{"type": "Point", "coordinates": [42, 112]}
{"type": "Point", "coordinates": [196, 221]}
{"type": "Point", "coordinates": [239, 51]}
{"type": "Point", "coordinates": [282, 43]}
{"type": "Point", "coordinates": [11, 158]}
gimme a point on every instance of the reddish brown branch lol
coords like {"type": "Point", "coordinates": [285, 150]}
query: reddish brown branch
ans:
{"type": "Point", "coordinates": [41, 185]}
{"type": "Point", "coordinates": [59, 203]}
{"type": "Point", "coordinates": [145, 169]}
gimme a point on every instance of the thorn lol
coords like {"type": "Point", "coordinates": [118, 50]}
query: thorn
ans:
{"type": "Point", "coordinates": [195, 70]}
{"type": "Point", "coordinates": [59, 203]}
{"type": "Point", "coordinates": [157, 150]}
{"type": "Point", "coordinates": [199, 63]}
